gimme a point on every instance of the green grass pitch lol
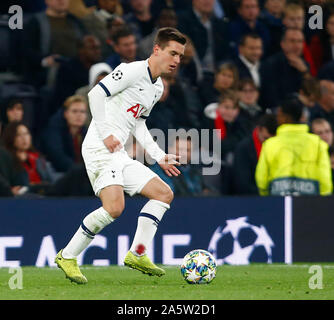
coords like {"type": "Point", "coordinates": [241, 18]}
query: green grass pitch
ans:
{"type": "Point", "coordinates": [255, 281]}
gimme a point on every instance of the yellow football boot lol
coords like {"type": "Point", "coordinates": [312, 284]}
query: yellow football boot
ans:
{"type": "Point", "coordinates": [143, 264]}
{"type": "Point", "coordinates": [70, 268]}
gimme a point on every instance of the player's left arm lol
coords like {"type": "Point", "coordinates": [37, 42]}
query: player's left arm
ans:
{"type": "Point", "coordinates": [167, 162]}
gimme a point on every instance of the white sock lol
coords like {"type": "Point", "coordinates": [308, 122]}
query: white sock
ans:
{"type": "Point", "coordinates": [148, 222]}
{"type": "Point", "coordinates": [91, 225]}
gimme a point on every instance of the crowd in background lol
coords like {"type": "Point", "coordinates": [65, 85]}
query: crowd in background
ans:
{"type": "Point", "coordinates": [242, 59]}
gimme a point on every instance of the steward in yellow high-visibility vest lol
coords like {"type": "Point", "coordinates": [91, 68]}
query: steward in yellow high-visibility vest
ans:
{"type": "Point", "coordinates": [294, 162]}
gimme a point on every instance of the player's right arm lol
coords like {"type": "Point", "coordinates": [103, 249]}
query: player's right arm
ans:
{"type": "Point", "coordinates": [121, 78]}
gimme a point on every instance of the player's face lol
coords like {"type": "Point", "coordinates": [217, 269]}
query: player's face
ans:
{"type": "Point", "coordinates": [22, 140]}
{"type": "Point", "coordinates": [76, 114]}
{"type": "Point", "coordinates": [170, 56]}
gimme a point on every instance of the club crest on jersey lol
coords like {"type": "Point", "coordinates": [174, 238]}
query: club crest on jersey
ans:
{"type": "Point", "coordinates": [117, 75]}
{"type": "Point", "coordinates": [136, 110]}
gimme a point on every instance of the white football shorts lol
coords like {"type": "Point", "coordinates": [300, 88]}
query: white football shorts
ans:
{"type": "Point", "coordinates": [105, 169]}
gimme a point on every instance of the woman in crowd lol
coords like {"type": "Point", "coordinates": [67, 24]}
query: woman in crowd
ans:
{"type": "Point", "coordinates": [12, 111]}
{"type": "Point", "coordinates": [31, 168]}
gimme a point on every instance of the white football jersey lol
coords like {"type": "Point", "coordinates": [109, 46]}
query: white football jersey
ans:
{"type": "Point", "coordinates": [131, 94]}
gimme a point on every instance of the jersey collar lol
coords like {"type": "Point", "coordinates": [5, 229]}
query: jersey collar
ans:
{"type": "Point", "coordinates": [149, 73]}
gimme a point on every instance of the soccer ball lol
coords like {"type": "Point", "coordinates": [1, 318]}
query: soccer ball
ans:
{"type": "Point", "coordinates": [198, 266]}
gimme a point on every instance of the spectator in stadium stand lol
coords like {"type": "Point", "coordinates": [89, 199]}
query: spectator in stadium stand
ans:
{"type": "Point", "coordinates": [31, 170]}
{"type": "Point", "coordinates": [190, 68]}
{"type": "Point", "coordinates": [322, 128]}
{"type": "Point", "coordinates": [249, 94]}
{"type": "Point", "coordinates": [12, 110]}
{"type": "Point", "coordinates": [125, 47]}
{"type": "Point", "coordinates": [8, 183]}
{"type": "Point", "coordinates": [112, 24]}
{"type": "Point", "coordinates": [140, 19]}
{"type": "Point", "coordinates": [325, 106]}
{"type": "Point", "coordinates": [96, 73]}
{"type": "Point", "coordinates": [176, 5]}
{"type": "Point", "coordinates": [225, 116]}
{"type": "Point", "coordinates": [247, 153]}
{"type": "Point", "coordinates": [294, 18]}
{"type": "Point", "coordinates": [322, 44]}
{"type": "Point", "coordinates": [96, 22]}
{"type": "Point", "coordinates": [166, 18]}
{"type": "Point", "coordinates": [50, 36]}
{"type": "Point", "coordinates": [226, 77]}
{"type": "Point", "coordinates": [282, 74]}
{"type": "Point", "coordinates": [308, 95]}
{"type": "Point", "coordinates": [249, 58]}
{"type": "Point", "coordinates": [309, 92]}
{"type": "Point", "coordinates": [74, 73]}
{"type": "Point", "coordinates": [248, 22]}
{"type": "Point", "coordinates": [294, 162]}
{"type": "Point", "coordinates": [79, 8]}
{"type": "Point", "coordinates": [271, 15]}
{"type": "Point", "coordinates": [190, 182]}
{"type": "Point", "coordinates": [178, 107]}
{"type": "Point", "coordinates": [162, 115]}
{"type": "Point", "coordinates": [326, 72]}
{"type": "Point", "coordinates": [208, 33]}
{"type": "Point", "coordinates": [63, 137]}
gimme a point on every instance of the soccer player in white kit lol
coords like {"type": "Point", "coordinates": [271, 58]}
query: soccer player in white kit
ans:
{"type": "Point", "coordinates": [120, 103]}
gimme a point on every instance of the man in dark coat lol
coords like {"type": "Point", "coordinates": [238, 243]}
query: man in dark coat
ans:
{"type": "Point", "coordinates": [208, 33]}
{"type": "Point", "coordinates": [247, 153]}
{"type": "Point", "coordinates": [282, 74]}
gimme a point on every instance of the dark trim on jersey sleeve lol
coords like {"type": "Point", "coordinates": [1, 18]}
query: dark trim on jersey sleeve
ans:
{"type": "Point", "coordinates": [105, 89]}
{"type": "Point", "coordinates": [144, 117]}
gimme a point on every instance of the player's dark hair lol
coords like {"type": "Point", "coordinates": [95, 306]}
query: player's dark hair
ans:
{"type": "Point", "coordinates": [167, 34]}
{"type": "Point", "coordinates": [269, 122]}
{"type": "Point", "coordinates": [292, 108]}
{"type": "Point", "coordinates": [251, 35]}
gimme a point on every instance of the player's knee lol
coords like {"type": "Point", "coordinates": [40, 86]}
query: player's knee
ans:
{"type": "Point", "coordinates": [114, 209]}
{"type": "Point", "coordinates": [166, 195]}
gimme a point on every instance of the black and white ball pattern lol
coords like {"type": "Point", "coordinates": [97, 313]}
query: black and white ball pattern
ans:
{"type": "Point", "coordinates": [117, 75]}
